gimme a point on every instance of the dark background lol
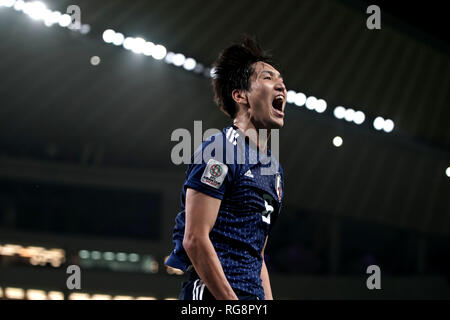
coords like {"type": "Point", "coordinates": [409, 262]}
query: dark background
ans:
{"type": "Point", "coordinates": [85, 150]}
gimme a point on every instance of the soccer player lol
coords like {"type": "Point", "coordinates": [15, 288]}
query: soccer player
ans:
{"type": "Point", "coordinates": [233, 188]}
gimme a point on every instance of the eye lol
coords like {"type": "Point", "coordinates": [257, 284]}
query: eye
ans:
{"type": "Point", "coordinates": [268, 77]}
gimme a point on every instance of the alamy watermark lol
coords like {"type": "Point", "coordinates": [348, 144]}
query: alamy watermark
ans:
{"type": "Point", "coordinates": [223, 148]}
{"type": "Point", "coordinates": [374, 281]}
{"type": "Point", "coordinates": [74, 280]}
{"type": "Point", "coordinates": [374, 20]}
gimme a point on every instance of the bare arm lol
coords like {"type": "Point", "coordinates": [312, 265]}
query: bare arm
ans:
{"type": "Point", "coordinates": [265, 277]}
{"type": "Point", "coordinates": [201, 214]}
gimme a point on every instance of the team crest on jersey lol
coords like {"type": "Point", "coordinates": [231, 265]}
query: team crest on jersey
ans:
{"type": "Point", "coordinates": [278, 186]}
{"type": "Point", "coordinates": [214, 173]}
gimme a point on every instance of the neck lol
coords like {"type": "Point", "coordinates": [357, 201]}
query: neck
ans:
{"type": "Point", "coordinates": [251, 130]}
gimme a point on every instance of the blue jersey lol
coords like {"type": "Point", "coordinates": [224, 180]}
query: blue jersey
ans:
{"type": "Point", "coordinates": [228, 166]}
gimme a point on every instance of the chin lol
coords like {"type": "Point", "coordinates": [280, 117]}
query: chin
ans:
{"type": "Point", "coordinates": [276, 124]}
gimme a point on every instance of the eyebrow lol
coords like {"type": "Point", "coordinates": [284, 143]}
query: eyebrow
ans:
{"type": "Point", "coordinates": [272, 73]}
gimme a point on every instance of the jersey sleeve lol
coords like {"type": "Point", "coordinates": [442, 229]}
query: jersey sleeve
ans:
{"type": "Point", "coordinates": [210, 173]}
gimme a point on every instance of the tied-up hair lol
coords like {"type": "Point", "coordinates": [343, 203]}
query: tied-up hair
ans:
{"type": "Point", "coordinates": [233, 69]}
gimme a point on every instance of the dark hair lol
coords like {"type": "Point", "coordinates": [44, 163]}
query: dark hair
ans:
{"type": "Point", "coordinates": [233, 69]}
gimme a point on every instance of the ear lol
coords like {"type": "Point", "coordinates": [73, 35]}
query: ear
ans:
{"type": "Point", "coordinates": [239, 96]}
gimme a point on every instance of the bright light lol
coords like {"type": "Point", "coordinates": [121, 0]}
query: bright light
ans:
{"type": "Point", "coordinates": [118, 39]}
{"type": "Point", "coordinates": [128, 43]}
{"type": "Point", "coordinates": [169, 57]}
{"type": "Point", "coordinates": [121, 256]}
{"type": "Point", "coordinates": [189, 64]}
{"type": "Point", "coordinates": [159, 52]}
{"type": "Point", "coordinates": [19, 5]}
{"type": "Point", "coordinates": [55, 295]}
{"type": "Point", "coordinates": [84, 254]}
{"type": "Point", "coordinates": [65, 20]}
{"type": "Point", "coordinates": [388, 125]}
{"type": "Point", "coordinates": [337, 141]}
{"type": "Point", "coordinates": [321, 106]}
{"type": "Point", "coordinates": [95, 60]}
{"type": "Point", "coordinates": [447, 172]}
{"type": "Point", "coordinates": [14, 293]}
{"type": "Point", "coordinates": [101, 297]}
{"type": "Point", "coordinates": [36, 295]}
{"type": "Point", "coordinates": [36, 10]}
{"type": "Point", "coordinates": [123, 298]}
{"type": "Point", "coordinates": [96, 255]}
{"type": "Point", "coordinates": [7, 3]}
{"type": "Point", "coordinates": [290, 96]}
{"type": "Point", "coordinates": [359, 117]}
{"type": "Point", "coordinates": [79, 296]}
{"type": "Point", "coordinates": [52, 18]}
{"type": "Point", "coordinates": [108, 35]}
{"type": "Point", "coordinates": [378, 123]}
{"type": "Point", "coordinates": [109, 256]}
{"type": "Point", "coordinates": [179, 59]}
{"type": "Point", "coordinates": [1, 292]}
{"type": "Point", "coordinates": [311, 103]}
{"type": "Point", "coordinates": [145, 298]}
{"type": "Point", "coordinates": [138, 45]}
{"type": "Point", "coordinates": [148, 48]}
{"type": "Point", "coordinates": [300, 99]}
{"type": "Point", "coordinates": [133, 257]}
{"type": "Point", "coordinates": [349, 114]}
{"type": "Point", "coordinates": [339, 112]}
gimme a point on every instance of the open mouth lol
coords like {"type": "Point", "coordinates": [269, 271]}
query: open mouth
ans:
{"type": "Point", "coordinates": [277, 103]}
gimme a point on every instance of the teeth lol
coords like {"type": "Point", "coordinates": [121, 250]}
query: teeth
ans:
{"type": "Point", "coordinates": [279, 97]}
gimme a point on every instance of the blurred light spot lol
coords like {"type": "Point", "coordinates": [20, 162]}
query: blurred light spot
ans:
{"type": "Point", "coordinates": [95, 60]}
{"type": "Point", "coordinates": [388, 125]}
{"type": "Point", "coordinates": [159, 52]}
{"type": "Point", "coordinates": [337, 141]}
{"type": "Point", "coordinates": [300, 99]}
{"type": "Point", "coordinates": [359, 117]}
{"type": "Point", "coordinates": [378, 123]}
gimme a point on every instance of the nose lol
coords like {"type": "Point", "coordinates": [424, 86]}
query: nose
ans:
{"type": "Point", "coordinates": [280, 86]}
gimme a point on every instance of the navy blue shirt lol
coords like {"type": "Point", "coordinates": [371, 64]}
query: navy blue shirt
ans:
{"type": "Point", "coordinates": [228, 166]}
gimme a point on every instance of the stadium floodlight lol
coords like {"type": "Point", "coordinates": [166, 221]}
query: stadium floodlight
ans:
{"type": "Point", "coordinates": [311, 103]}
{"type": "Point", "coordinates": [339, 112]}
{"type": "Point", "coordinates": [138, 45]}
{"type": "Point", "coordinates": [388, 125]}
{"type": "Point", "coordinates": [108, 35]}
{"type": "Point", "coordinates": [337, 141]}
{"type": "Point", "coordinates": [179, 59]}
{"type": "Point", "coordinates": [128, 43]}
{"type": "Point", "coordinates": [378, 123]}
{"type": "Point", "coordinates": [118, 39]}
{"type": "Point", "coordinates": [65, 20]}
{"type": "Point", "coordinates": [359, 117]}
{"type": "Point", "coordinates": [52, 18]}
{"type": "Point", "coordinates": [148, 48]}
{"type": "Point", "coordinates": [169, 57]}
{"type": "Point", "coordinates": [300, 99]}
{"type": "Point", "coordinates": [321, 106]}
{"type": "Point", "coordinates": [19, 5]}
{"type": "Point", "coordinates": [189, 64]}
{"type": "Point", "coordinates": [35, 10]}
{"type": "Point", "coordinates": [349, 114]}
{"type": "Point", "coordinates": [290, 98]}
{"type": "Point", "coordinates": [447, 172]}
{"type": "Point", "coordinates": [159, 52]}
{"type": "Point", "coordinates": [95, 60]}
{"type": "Point", "coordinates": [7, 3]}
